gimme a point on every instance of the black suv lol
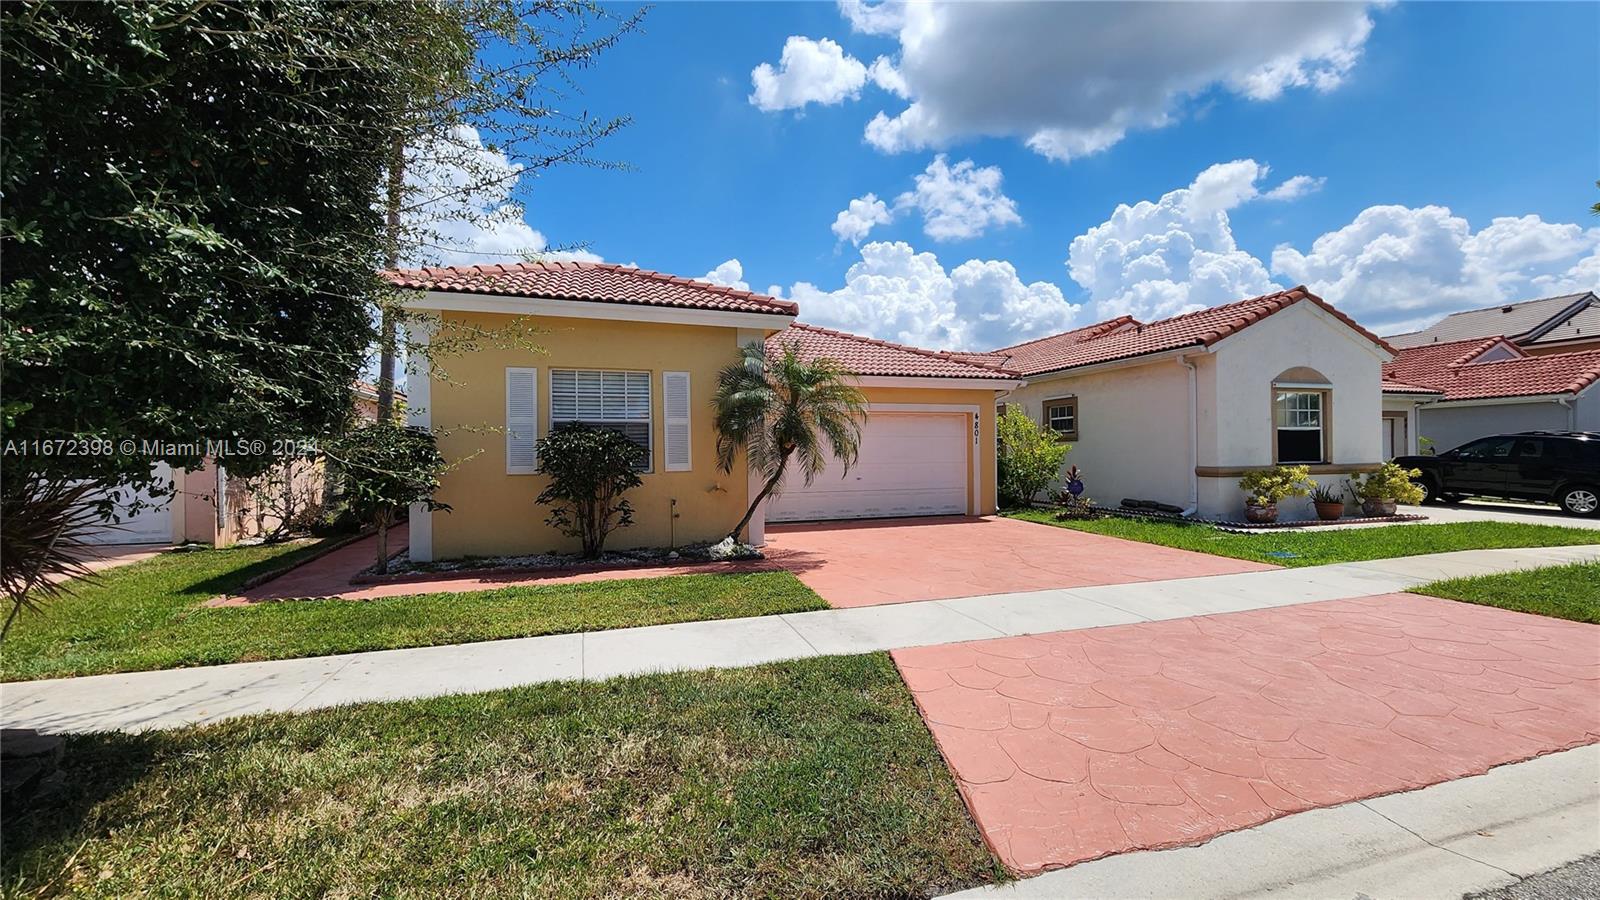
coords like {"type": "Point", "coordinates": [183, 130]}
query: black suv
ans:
{"type": "Point", "coordinates": [1559, 466]}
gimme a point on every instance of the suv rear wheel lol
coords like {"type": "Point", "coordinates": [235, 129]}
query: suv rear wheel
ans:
{"type": "Point", "coordinates": [1581, 500]}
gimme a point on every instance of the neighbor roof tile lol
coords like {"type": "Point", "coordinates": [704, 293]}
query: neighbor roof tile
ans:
{"type": "Point", "coordinates": [1447, 367]}
{"type": "Point", "coordinates": [870, 356]}
{"type": "Point", "coordinates": [1125, 338]}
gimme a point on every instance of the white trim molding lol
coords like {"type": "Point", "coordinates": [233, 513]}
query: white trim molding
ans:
{"type": "Point", "coordinates": [419, 414]}
{"type": "Point", "coordinates": [588, 309]}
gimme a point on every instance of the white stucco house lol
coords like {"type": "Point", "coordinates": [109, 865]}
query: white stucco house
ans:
{"type": "Point", "coordinates": [1484, 386]}
{"type": "Point", "coordinates": [1177, 410]}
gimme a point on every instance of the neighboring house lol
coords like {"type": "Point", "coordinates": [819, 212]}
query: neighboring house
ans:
{"type": "Point", "coordinates": [1177, 410]}
{"type": "Point", "coordinates": [639, 351]}
{"type": "Point", "coordinates": [188, 510]}
{"type": "Point", "coordinates": [1493, 386]}
{"type": "Point", "coordinates": [1566, 324]}
{"type": "Point", "coordinates": [367, 401]}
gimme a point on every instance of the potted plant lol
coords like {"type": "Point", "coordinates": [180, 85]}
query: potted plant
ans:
{"type": "Point", "coordinates": [1329, 503]}
{"type": "Point", "coordinates": [1263, 488]}
{"type": "Point", "coordinates": [1385, 488]}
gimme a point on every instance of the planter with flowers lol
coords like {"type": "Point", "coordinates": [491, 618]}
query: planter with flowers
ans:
{"type": "Point", "coordinates": [1381, 491]}
{"type": "Point", "coordinates": [1263, 488]}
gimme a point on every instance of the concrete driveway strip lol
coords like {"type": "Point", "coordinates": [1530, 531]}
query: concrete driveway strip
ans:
{"type": "Point", "coordinates": [174, 697]}
{"type": "Point", "coordinates": [1441, 841]}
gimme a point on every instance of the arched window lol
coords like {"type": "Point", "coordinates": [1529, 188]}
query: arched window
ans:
{"type": "Point", "coordinates": [1302, 417]}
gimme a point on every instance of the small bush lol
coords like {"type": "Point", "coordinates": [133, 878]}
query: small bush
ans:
{"type": "Point", "coordinates": [589, 469]}
{"type": "Point", "coordinates": [1391, 482]}
{"type": "Point", "coordinates": [1265, 487]}
{"type": "Point", "coordinates": [1030, 456]}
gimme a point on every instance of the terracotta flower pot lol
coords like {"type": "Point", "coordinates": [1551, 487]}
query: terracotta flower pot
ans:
{"type": "Point", "coordinates": [1375, 508]}
{"type": "Point", "coordinates": [1328, 512]}
{"type": "Point", "coordinates": [1261, 514]}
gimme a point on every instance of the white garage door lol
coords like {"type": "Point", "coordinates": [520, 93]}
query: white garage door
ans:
{"type": "Point", "coordinates": [149, 525]}
{"type": "Point", "coordinates": [910, 464]}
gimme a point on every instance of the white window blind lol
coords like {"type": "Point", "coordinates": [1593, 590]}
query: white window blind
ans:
{"type": "Point", "coordinates": [522, 420]}
{"type": "Point", "coordinates": [675, 412]}
{"type": "Point", "coordinates": [603, 399]}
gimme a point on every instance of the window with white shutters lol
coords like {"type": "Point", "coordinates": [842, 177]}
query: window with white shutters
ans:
{"type": "Point", "coordinates": [522, 420]}
{"type": "Point", "coordinates": [604, 399]}
{"type": "Point", "coordinates": [675, 413]}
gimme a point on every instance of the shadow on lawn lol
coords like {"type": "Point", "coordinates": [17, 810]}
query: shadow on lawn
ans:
{"type": "Point", "coordinates": [40, 834]}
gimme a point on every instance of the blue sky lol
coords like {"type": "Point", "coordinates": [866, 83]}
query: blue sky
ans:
{"type": "Point", "coordinates": [1449, 153]}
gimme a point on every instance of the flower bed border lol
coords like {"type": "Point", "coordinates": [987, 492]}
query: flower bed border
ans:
{"type": "Point", "coordinates": [1228, 525]}
{"type": "Point", "coordinates": [492, 572]}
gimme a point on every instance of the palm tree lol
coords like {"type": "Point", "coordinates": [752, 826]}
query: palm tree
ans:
{"type": "Point", "coordinates": [785, 411]}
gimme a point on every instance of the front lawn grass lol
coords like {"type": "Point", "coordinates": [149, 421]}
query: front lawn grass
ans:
{"type": "Point", "coordinates": [148, 615]}
{"type": "Point", "coordinates": [1565, 592]}
{"type": "Point", "coordinates": [1320, 547]}
{"type": "Point", "coordinates": [813, 778]}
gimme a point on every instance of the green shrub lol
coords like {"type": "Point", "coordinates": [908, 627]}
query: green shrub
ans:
{"type": "Point", "coordinates": [1265, 487]}
{"type": "Point", "coordinates": [1391, 482]}
{"type": "Point", "coordinates": [589, 469]}
{"type": "Point", "coordinates": [1030, 456]}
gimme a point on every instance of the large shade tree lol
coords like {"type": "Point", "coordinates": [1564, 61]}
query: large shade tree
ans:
{"type": "Point", "coordinates": [787, 414]}
{"type": "Point", "coordinates": [192, 220]}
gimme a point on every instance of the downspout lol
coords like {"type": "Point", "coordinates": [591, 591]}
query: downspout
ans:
{"type": "Point", "coordinates": [1194, 437]}
{"type": "Point", "coordinates": [1572, 413]}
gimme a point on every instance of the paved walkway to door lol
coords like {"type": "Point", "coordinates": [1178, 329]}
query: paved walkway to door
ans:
{"type": "Point", "coordinates": [1074, 745]}
{"type": "Point", "coordinates": [867, 563]}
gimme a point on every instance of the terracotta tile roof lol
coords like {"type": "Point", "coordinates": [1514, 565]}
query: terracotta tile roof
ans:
{"type": "Point", "coordinates": [1428, 363]}
{"type": "Point", "coordinates": [1395, 387]}
{"type": "Point", "coordinates": [1448, 367]}
{"type": "Point", "coordinates": [1109, 341]}
{"type": "Point", "coordinates": [591, 281]}
{"type": "Point", "coordinates": [870, 356]}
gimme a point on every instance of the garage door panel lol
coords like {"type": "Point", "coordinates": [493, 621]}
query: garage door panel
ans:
{"type": "Point", "coordinates": [909, 465]}
{"type": "Point", "coordinates": [150, 524]}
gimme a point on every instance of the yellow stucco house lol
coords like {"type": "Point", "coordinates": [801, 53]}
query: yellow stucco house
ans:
{"type": "Point", "coordinates": [639, 351]}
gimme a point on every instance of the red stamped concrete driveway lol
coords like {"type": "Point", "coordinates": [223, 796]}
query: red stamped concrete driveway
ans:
{"type": "Point", "coordinates": [1074, 745]}
{"type": "Point", "coordinates": [898, 560]}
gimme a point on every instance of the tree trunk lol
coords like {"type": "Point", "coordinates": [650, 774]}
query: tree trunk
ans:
{"type": "Point", "coordinates": [387, 338]}
{"type": "Point", "coordinates": [772, 484]}
{"type": "Point", "coordinates": [383, 542]}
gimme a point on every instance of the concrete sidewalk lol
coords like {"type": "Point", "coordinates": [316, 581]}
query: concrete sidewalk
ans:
{"type": "Point", "coordinates": [170, 698]}
{"type": "Point", "coordinates": [1441, 841]}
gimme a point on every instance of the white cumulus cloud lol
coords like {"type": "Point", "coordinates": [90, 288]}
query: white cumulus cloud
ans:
{"type": "Point", "coordinates": [808, 72]}
{"type": "Point", "coordinates": [1072, 79]}
{"type": "Point", "coordinates": [462, 208]}
{"type": "Point", "coordinates": [1178, 253]}
{"type": "Point", "coordinates": [855, 221]}
{"type": "Point", "coordinates": [1295, 188]}
{"type": "Point", "coordinates": [730, 274]}
{"type": "Point", "coordinates": [960, 201]}
{"type": "Point", "coordinates": [898, 294]}
{"type": "Point", "coordinates": [956, 202]}
{"type": "Point", "coordinates": [1399, 268]}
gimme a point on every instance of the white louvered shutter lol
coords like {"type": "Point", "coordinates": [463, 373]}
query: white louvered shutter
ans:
{"type": "Point", "coordinates": [675, 403]}
{"type": "Point", "coordinates": [522, 420]}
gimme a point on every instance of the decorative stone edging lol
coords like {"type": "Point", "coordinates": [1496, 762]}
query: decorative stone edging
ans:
{"type": "Point", "coordinates": [1227, 525]}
